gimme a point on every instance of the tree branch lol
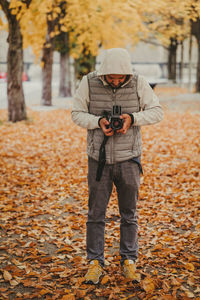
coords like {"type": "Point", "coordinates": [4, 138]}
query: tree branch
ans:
{"type": "Point", "coordinates": [195, 28]}
{"type": "Point", "coordinates": [27, 2]}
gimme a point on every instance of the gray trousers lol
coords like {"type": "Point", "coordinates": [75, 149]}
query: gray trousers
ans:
{"type": "Point", "coordinates": [126, 178]}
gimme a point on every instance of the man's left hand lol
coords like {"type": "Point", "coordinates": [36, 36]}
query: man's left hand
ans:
{"type": "Point", "coordinates": [126, 125]}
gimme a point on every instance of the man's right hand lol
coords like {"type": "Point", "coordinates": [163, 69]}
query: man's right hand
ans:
{"type": "Point", "coordinates": [104, 123]}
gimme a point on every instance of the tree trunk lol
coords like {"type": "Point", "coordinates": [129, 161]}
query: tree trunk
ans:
{"type": "Point", "coordinates": [198, 70]}
{"type": "Point", "coordinates": [65, 76]}
{"type": "Point", "coordinates": [196, 33]}
{"type": "Point", "coordinates": [16, 103]}
{"type": "Point", "coordinates": [190, 64]}
{"type": "Point", "coordinates": [47, 59]}
{"type": "Point", "coordinates": [181, 63]}
{"type": "Point", "coordinates": [172, 59]}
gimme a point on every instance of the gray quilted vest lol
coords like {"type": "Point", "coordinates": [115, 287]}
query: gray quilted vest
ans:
{"type": "Point", "coordinates": [119, 147]}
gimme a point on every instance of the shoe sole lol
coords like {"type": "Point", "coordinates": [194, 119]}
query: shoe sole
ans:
{"type": "Point", "coordinates": [91, 282]}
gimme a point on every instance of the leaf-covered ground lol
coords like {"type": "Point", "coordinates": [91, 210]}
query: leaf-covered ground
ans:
{"type": "Point", "coordinates": [43, 210]}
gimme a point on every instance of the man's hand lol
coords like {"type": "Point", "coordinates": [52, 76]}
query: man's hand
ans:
{"type": "Point", "coordinates": [104, 126]}
{"type": "Point", "coordinates": [126, 125]}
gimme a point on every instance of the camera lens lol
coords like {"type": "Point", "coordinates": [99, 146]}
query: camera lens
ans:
{"type": "Point", "coordinates": [116, 124]}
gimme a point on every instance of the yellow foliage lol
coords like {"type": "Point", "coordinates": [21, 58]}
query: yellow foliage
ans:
{"type": "Point", "coordinates": [110, 23]}
{"type": "Point", "coordinates": [171, 19]}
{"type": "Point", "coordinates": [34, 25]}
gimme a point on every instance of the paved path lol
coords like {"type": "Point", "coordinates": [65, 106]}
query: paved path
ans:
{"type": "Point", "coordinates": [33, 92]}
{"type": "Point", "coordinates": [182, 103]}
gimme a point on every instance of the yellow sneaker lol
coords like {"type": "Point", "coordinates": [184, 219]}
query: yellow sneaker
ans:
{"type": "Point", "coordinates": [94, 272]}
{"type": "Point", "coordinates": [129, 270]}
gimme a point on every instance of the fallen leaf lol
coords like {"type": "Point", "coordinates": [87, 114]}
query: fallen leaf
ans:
{"type": "Point", "coordinates": [68, 297]}
{"type": "Point", "coordinates": [105, 279]}
{"type": "Point", "coordinates": [148, 285]}
{"type": "Point", "coordinates": [189, 266]}
{"type": "Point", "coordinates": [7, 276]}
{"type": "Point", "coordinates": [14, 282]}
{"type": "Point", "coordinates": [45, 291]}
{"type": "Point", "coordinates": [80, 293]}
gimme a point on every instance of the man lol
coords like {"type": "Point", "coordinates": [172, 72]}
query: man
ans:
{"type": "Point", "coordinates": [114, 153]}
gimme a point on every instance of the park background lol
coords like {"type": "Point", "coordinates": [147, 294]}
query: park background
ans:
{"type": "Point", "coordinates": [45, 49]}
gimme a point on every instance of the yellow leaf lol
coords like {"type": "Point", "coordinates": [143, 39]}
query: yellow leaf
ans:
{"type": "Point", "coordinates": [14, 282]}
{"type": "Point", "coordinates": [148, 285]}
{"type": "Point", "coordinates": [42, 64]}
{"type": "Point", "coordinates": [7, 276]}
{"type": "Point", "coordinates": [80, 294]}
{"type": "Point", "coordinates": [52, 34]}
{"type": "Point", "coordinates": [44, 291]}
{"type": "Point", "coordinates": [48, 45]}
{"type": "Point", "coordinates": [174, 281]}
{"type": "Point", "coordinates": [105, 279]}
{"type": "Point", "coordinates": [65, 249]}
{"type": "Point", "coordinates": [57, 9]}
{"type": "Point", "coordinates": [189, 294]}
{"type": "Point", "coordinates": [189, 266]}
{"type": "Point", "coordinates": [64, 28]}
{"type": "Point", "coordinates": [68, 297]}
{"type": "Point", "coordinates": [16, 262]}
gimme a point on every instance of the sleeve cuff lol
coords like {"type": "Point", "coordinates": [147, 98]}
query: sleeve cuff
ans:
{"type": "Point", "coordinates": [100, 120]}
{"type": "Point", "coordinates": [132, 118]}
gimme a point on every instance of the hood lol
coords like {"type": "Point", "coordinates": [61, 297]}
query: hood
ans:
{"type": "Point", "coordinates": [116, 61]}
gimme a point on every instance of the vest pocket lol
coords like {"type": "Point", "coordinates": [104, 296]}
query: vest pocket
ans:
{"type": "Point", "coordinates": [136, 146]}
{"type": "Point", "coordinates": [137, 160]}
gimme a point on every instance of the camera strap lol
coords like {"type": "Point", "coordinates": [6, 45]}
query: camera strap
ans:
{"type": "Point", "coordinates": [102, 158]}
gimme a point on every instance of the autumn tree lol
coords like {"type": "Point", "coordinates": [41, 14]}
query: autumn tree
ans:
{"type": "Point", "coordinates": [37, 25]}
{"type": "Point", "coordinates": [172, 22]}
{"type": "Point", "coordinates": [167, 23]}
{"type": "Point", "coordinates": [102, 22]}
{"type": "Point", "coordinates": [16, 102]}
{"type": "Point", "coordinates": [27, 26]}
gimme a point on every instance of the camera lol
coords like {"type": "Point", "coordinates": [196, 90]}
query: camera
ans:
{"type": "Point", "coordinates": [115, 122]}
